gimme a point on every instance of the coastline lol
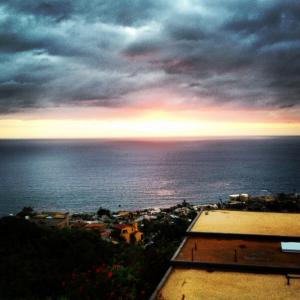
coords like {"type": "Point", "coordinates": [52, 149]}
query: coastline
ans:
{"type": "Point", "coordinates": [104, 248]}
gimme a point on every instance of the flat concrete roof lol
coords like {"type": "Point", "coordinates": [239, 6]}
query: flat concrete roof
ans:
{"type": "Point", "coordinates": [194, 284]}
{"type": "Point", "coordinates": [245, 222]}
{"type": "Point", "coordinates": [237, 252]}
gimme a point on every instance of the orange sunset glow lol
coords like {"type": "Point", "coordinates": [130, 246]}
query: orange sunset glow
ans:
{"type": "Point", "coordinates": [150, 123]}
{"type": "Point", "coordinates": [181, 69]}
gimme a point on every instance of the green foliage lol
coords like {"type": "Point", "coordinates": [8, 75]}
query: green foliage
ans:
{"type": "Point", "coordinates": [38, 262]}
{"type": "Point", "coordinates": [34, 260]}
{"type": "Point", "coordinates": [82, 216]}
{"type": "Point", "coordinates": [166, 231]}
{"type": "Point", "coordinates": [102, 211]}
{"type": "Point", "coordinates": [26, 211]}
{"type": "Point", "coordinates": [281, 202]}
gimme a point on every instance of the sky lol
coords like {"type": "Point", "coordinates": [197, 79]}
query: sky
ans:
{"type": "Point", "coordinates": [150, 68]}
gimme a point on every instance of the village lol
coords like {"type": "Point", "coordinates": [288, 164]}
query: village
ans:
{"type": "Point", "coordinates": [121, 226]}
{"type": "Point", "coordinates": [113, 254]}
{"type": "Point", "coordinates": [128, 226]}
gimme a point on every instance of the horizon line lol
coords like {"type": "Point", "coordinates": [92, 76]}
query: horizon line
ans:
{"type": "Point", "coordinates": [179, 138]}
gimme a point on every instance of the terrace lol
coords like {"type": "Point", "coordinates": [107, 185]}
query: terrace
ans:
{"type": "Point", "coordinates": [236, 253]}
{"type": "Point", "coordinates": [195, 284]}
{"type": "Point", "coordinates": [249, 223]}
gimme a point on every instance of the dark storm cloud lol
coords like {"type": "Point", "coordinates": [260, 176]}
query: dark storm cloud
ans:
{"type": "Point", "coordinates": [186, 26]}
{"type": "Point", "coordinates": [276, 44]}
{"type": "Point", "coordinates": [121, 12]}
{"type": "Point", "coordinates": [65, 52]}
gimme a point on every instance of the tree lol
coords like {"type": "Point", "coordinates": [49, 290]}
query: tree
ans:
{"type": "Point", "coordinates": [102, 211]}
{"type": "Point", "coordinates": [26, 211]}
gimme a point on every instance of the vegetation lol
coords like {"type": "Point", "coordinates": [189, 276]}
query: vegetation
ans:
{"type": "Point", "coordinates": [26, 211]}
{"type": "Point", "coordinates": [103, 212]}
{"type": "Point", "coordinates": [38, 262]}
{"type": "Point", "coordinates": [281, 202]}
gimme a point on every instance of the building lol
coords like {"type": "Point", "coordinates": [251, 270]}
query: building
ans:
{"type": "Point", "coordinates": [239, 197]}
{"type": "Point", "coordinates": [236, 255]}
{"type": "Point", "coordinates": [100, 228]}
{"type": "Point", "coordinates": [129, 232]}
{"type": "Point", "coordinates": [51, 219]}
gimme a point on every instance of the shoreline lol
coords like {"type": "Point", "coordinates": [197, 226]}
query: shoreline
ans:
{"type": "Point", "coordinates": [289, 202]}
{"type": "Point", "coordinates": [128, 239]}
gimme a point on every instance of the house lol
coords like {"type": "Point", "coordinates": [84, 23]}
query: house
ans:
{"type": "Point", "coordinates": [129, 232]}
{"type": "Point", "coordinates": [122, 215]}
{"type": "Point", "coordinates": [95, 227]}
{"type": "Point", "coordinates": [77, 224]}
{"type": "Point", "coordinates": [51, 219]}
{"type": "Point", "coordinates": [239, 197]}
{"type": "Point", "coordinates": [100, 228]}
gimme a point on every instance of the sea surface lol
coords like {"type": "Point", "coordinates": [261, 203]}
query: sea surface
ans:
{"type": "Point", "coordinates": [82, 175]}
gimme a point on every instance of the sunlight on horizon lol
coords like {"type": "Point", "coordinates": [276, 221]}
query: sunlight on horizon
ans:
{"type": "Point", "coordinates": [160, 125]}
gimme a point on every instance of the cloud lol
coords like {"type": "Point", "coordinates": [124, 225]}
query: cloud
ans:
{"type": "Point", "coordinates": [66, 53]}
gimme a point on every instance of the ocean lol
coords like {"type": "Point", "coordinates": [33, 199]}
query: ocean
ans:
{"type": "Point", "coordinates": [82, 175]}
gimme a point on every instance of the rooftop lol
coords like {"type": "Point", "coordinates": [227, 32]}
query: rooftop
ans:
{"type": "Point", "coordinates": [54, 215]}
{"type": "Point", "coordinates": [184, 284]}
{"type": "Point", "coordinates": [237, 253]}
{"type": "Point", "coordinates": [99, 226]}
{"type": "Point", "coordinates": [53, 222]}
{"type": "Point", "coordinates": [245, 222]}
{"type": "Point", "coordinates": [120, 226]}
